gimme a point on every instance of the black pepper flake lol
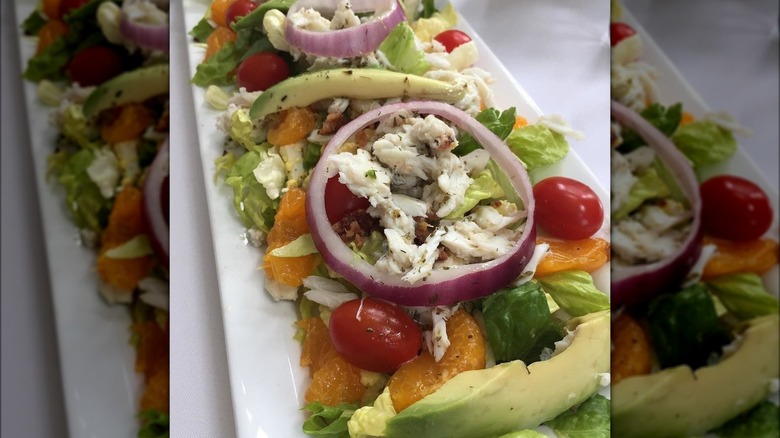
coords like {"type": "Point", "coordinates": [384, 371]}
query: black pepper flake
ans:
{"type": "Point", "coordinates": [284, 98]}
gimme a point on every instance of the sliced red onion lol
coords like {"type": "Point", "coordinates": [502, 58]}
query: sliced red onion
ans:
{"type": "Point", "coordinates": [148, 36]}
{"type": "Point", "coordinates": [639, 283]}
{"type": "Point", "coordinates": [349, 42]}
{"type": "Point", "coordinates": [155, 206]}
{"type": "Point", "coordinates": [442, 287]}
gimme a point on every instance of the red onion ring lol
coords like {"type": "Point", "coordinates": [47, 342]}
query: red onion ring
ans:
{"type": "Point", "coordinates": [443, 287]}
{"type": "Point", "coordinates": [148, 36]}
{"type": "Point", "coordinates": [639, 283]}
{"type": "Point", "coordinates": [344, 43]}
{"type": "Point", "coordinates": [155, 204]}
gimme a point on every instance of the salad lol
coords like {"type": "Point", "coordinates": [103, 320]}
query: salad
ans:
{"type": "Point", "coordinates": [103, 68]}
{"type": "Point", "coordinates": [391, 197]}
{"type": "Point", "coordinates": [695, 328]}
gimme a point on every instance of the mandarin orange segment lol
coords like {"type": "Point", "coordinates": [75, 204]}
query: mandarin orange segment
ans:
{"type": "Point", "coordinates": [131, 123]}
{"type": "Point", "coordinates": [756, 256]}
{"type": "Point", "coordinates": [423, 375]}
{"type": "Point", "coordinates": [631, 352]}
{"type": "Point", "coordinates": [156, 395]}
{"type": "Point", "coordinates": [520, 121]}
{"type": "Point", "coordinates": [219, 11]}
{"type": "Point", "coordinates": [289, 224]}
{"type": "Point", "coordinates": [336, 381]}
{"type": "Point", "coordinates": [217, 39]}
{"type": "Point", "coordinates": [687, 118]}
{"type": "Point", "coordinates": [580, 255]}
{"type": "Point", "coordinates": [295, 125]}
{"type": "Point", "coordinates": [152, 349]}
{"type": "Point", "coordinates": [124, 274]}
{"type": "Point", "coordinates": [49, 33]}
{"type": "Point", "coordinates": [317, 347]}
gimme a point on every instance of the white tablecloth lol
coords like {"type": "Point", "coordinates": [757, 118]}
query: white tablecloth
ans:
{"type": "Point", "coordinates": [556, 51]}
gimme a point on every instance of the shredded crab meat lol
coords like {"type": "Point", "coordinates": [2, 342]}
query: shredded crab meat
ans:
{"type": "Point", "coordinates": [436, 339]}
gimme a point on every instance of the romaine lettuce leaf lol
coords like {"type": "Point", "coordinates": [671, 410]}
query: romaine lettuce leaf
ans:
{"type": "Point", "coordinates": [591, 419]}
{"type": "Point", "coordinates": [328, 421]}
{"type": "Point", "coordinates": [370, 421]}
{"type": "Point", "coordinates": [134, 248]}
{"type": "Point", "coordinates": [401, 50]}
{"type": "Point", "coordinates": [482, 187]}
{"type": "Point", "coordinates": [33, 23]}
{"type": "Point", "coordinates": [705, 143]}
{"type": "Point", "coordinates": [86, 204]}
{"type": "Point", "coordinates": [648, 186]}
{"type": "Point", "coordinates": [762, 421]}
{"type": "Point", "coordinates": [202, 30]}
{"type": "Point", "coordinates": [518, 323]}
{"type": "Point", "coordinates": [370, 247]}
{"type": "Point", "coordinates": [525, 433]}
{"type": "Point", "coordinates": [665, 119]}
{"type": "Point", "coordinates": [217, 69]}
{"type": "Point", "coordinates": [498, 123]}
{"type": "Point", "coordinates": [575, 292]}
{"type": "Point", "coordinates": [684, 328]}
{"type": "Point", "coordinates": [75, 127]}
{"type": "Point", "coordinates": [249, 197]}
{"type": "Point", "coordinates": [302, 246]}
{"type": "Point", "coordinates": [155, 424]}
{"type": "Point", "coordinates": [537, 145]}
{"type": "Point", "coordinates": [429, 8]}
{"type": "Point", "coordinates": [743, 295]}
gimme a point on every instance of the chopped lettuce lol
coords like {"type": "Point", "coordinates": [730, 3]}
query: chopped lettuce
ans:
{"type": "Point", "coordinates": [301, 246]}
{"type": "Point", "coordinates": [311, 155]}
{"type": "Point", "coordinates": [202, 30]}
{"type": "Point", "coordinates": [217, 70]}
{"type": "Point", "coordinates": [223, 164]}
{"type": "Point", "coordinates": [665, 119]}
{"type": "Point", "coordinates": [370, 421]}
{"type": "Point", "coordinates": [537, 145]}
{"type": "Point", "coordinates": [33, 23]}
{"type": "Point", "coordinates": [648, 186]}
{"type": "Point", "coordinates": [705, 143]}
{"type": "Point", "coordinates": [401, 50]}
{"type": "Point", "coordinates": [591, 419]}
{"type": "Point", "coordinates": [438, 22]}
{"type": "Point", "coordinates": [499, 123]}
{"type": "Point", "coordinates": [241, 128]}
{"type": "Point", "coordinates": [743, 295]}
{"type": "Point", "coordinates": [575, 292]}
{"type": "Point", "coordinates": [249, 197]}
{"type": "Point", "coordinates": [76, 128]}
{"type": "Point", "coordinates": [86, 204]}
{"type": "Point", "coordinates": [155, 424]}
{"type": "Point", "coordinates": [525, 433]}
{"type": "Point", "coordinates": [685, 329]}
{"type": "Point", "coordinates": [762, 421]}
{"type": "Point", "coordinates": [519, 324]}
{"type": "Point", "coordinates": [49, 93]}
{"type": "Point", "coordinates": [370, 248]}
{"type": "Point", "coordinates": [669, 180]}
{"type": "Point", "coordinates": [134, 248]}
{"type": "Point", "coordinates": [482, 187]}
{"type": "Point", "coordinates": [328, 421]}
{"type": "Point", "coordinates": [217, 97]}
{"type": "Point", "coordinates": [429, 8]}
{"type": "Point", "coordinates": [506, 184]}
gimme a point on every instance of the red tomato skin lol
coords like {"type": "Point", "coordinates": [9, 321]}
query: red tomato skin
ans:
{"type": "Point", "coordinates": [381, 340]}
{"type": "Point", "coordinates": [95, 65]}
{"type": "Point", "coordinates": [238, 9]}
{"type": "Point", "coordinates": [734, 208]}
{"type": "Point", "coordinates": [567, 208]}
{"type": "Point", "coordinates": [618, 32]}
{"type": "Point", "coordinates": [339, 201]}
{"type": "Point", "coordinates": [261, 71]}
{"type": "Point", "coordinates": [452, 38]}
{"type": "Point", "coordinates": [68, 5]}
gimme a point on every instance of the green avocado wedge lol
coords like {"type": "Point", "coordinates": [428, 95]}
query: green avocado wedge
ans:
{"type": "Point", "coordinates": [512, 396]}
{"type": "Point", "coordinates": [132, 86]}
{"type": "Point", "coordinates": [353, 83]}
{"type": "Point", "coordinates": [678, 402]}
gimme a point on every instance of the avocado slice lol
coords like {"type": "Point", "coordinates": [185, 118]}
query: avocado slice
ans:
{"type": "Point", "coordinates": [680, 402]}
{"type": "Point", "coordinates": [305, 89]}
{"type": "Point", "coordinates": [512, 396]}
{"type": "Point", "coordinates": [132, 86]}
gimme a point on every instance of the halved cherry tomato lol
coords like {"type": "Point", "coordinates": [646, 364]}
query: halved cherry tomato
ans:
{"type": "Point", "coordinates": [238, 9]}
{"type": "Point", "coordinates": [567, 208]}
{"type": "Point", "coordinates": [734, 208]}
{"type": "Point", "coordinates": [618, 32]}
{"type": "Point", "coordinates": [340, 201]}
{"type": "Point", "coordinates": [374, 335]}
{"type": "Point", "coordinates": [68, 5]}
{"type": "Point", "coordinates": [261, 71]}
{"type": "Point", "coordinates": [452, 38]}
{"type": "Point", "coordinates": [94, 65]}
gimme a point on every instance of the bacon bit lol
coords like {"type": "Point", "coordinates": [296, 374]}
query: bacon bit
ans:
{"type": "Point", "coordinates": [333, 122]}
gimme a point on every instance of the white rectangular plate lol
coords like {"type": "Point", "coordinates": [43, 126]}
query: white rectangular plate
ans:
{"type": "Point", "coordinates": [267, 383]}
{"type": "Point", "coordinates": [101, 387]}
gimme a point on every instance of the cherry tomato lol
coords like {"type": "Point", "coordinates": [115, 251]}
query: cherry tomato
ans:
{"type": "Point", "coordinates": [618, 32]}
{"type": "Point", "coordinates": [94, 65]}
{"type": "Point", "coordinates": [68, 5]}
{"type": "Point", "coordinates": [734, 208]}
{"type": "Point", "coordinates": [452, 38]}
{"type": "Point", "coordinates": [567, 208]}
{"type": "Point", "coordinates": [238, 9]}
{"type": "Point", "coordinates": [261, 71]}
{"type": "Point", "coordinates": [339, 201]}
{"type": "Point", "coordinates": [374, 335]}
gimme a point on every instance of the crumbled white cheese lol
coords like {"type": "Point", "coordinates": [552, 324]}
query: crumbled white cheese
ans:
{"type": "Point", "coordinates": [104, 171]}
{"type": "Point", "coordinates": [279, 291]}
{"type": "Point", "coordinates": [271, 173]}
